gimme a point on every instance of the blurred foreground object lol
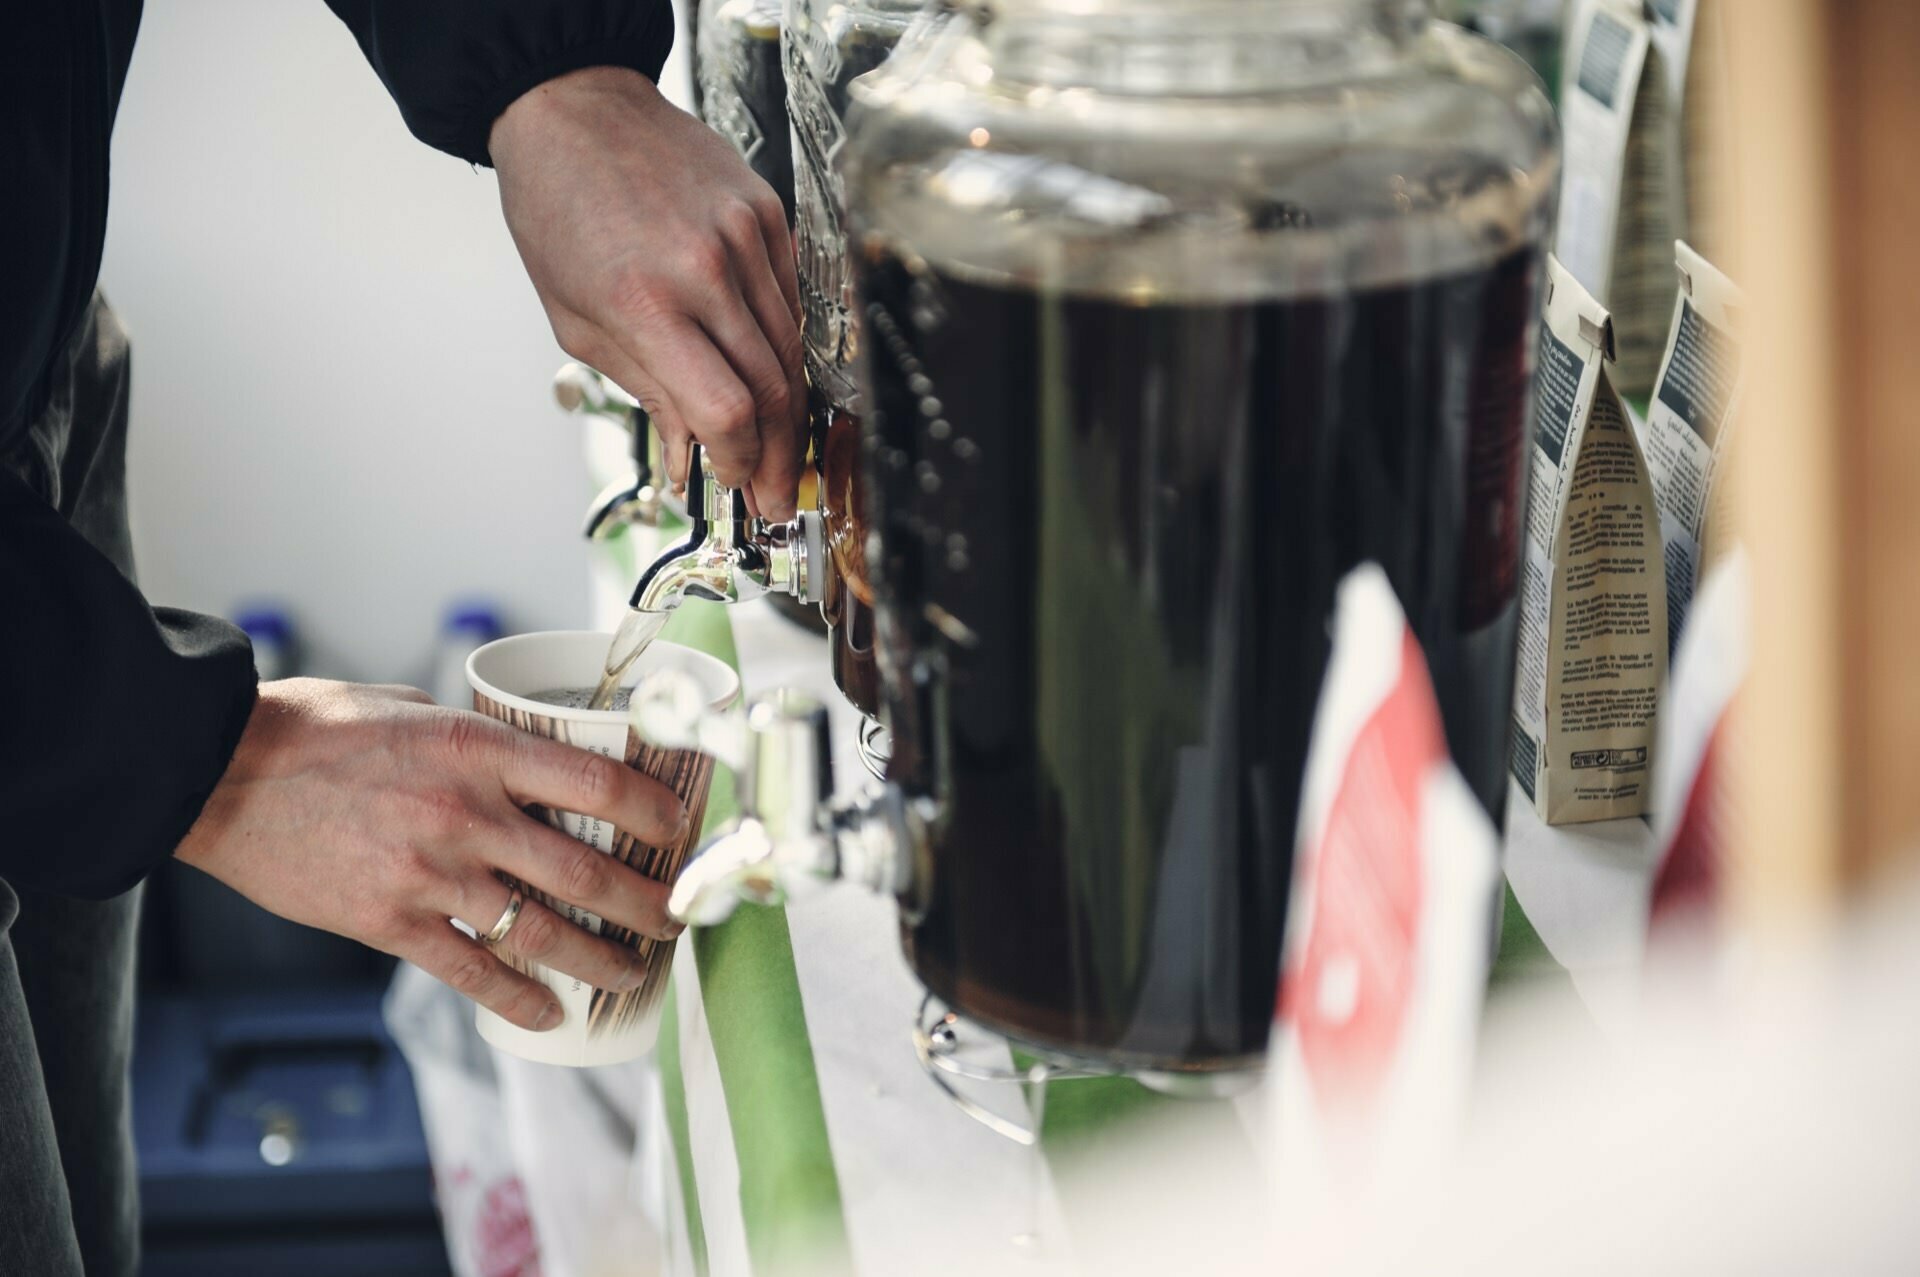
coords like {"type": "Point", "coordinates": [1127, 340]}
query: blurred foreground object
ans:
{"type": "Point", "coordinates": [1818, 180]}
{"type": "Point", "coordinates": [1767, 1132]}
{"type": "Point", "coordinates": [1390, 926]}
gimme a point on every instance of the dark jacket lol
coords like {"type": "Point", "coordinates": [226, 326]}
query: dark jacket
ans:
{"type": "Point", "coordinates": [95, 686]}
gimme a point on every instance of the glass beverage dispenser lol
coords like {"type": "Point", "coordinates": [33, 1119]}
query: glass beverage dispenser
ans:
{"type": "Point", "coordinates": [1170, 312]}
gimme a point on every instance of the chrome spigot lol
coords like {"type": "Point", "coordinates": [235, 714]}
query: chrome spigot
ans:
{"type": "Point", "coordinates": [730, 556]}
{"type": "Point", "coordinates": [578, 388]}
{"type": "Point", "coordinates": [621, 504]}
{"type": "Point", "coordinates": [626, 502]}
{"type": "Point", "coordinates": [790, 836]}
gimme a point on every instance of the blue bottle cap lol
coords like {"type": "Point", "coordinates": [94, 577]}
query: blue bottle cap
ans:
{"type": "Point", "coordinates": [265, 623]}
{"type": "Point", "coordinates": [474, 618]}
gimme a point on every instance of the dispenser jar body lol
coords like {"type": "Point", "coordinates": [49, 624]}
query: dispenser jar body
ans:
{"type": "Point", "coordinates": [1173, 314]}
{"type": "Point", "coordinates": [827, 44]}
{"type": "Point", "coordinates": [743, 87]}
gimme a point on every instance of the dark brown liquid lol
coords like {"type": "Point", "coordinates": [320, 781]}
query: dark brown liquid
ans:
{"type": "Point", "coordinates": [1111, 537]}
{"type": "Point", "coordinates": [848, 605]}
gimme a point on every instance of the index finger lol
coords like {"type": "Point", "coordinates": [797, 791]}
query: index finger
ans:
{"type": "Point", "coordinates": [564, 778]}
{"type": "Point", "coordinates": [780, 250]}
{"type": "Point", "coordinates": [782, 448]}
{"type": "Point", "coordinates": [715, 405]}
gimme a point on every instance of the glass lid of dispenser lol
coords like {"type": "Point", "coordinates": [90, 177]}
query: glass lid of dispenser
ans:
{"type": "Point", "coordinates": [1129, 147]}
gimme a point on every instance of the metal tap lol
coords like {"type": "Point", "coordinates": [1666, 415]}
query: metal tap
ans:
{"type": "Point", "coordinates": [790, 837]}
{"type": "Point", "coordinates": [730, 556]}
{"type": "Point", "coordinates": [624, 502]}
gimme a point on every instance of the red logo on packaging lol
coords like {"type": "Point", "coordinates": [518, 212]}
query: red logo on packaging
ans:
{"type": "Point", "coordinates": [1349, 998]}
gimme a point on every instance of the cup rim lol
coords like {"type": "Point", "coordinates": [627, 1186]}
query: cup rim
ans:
{"type": "Point", "coordinates": [721, 674]}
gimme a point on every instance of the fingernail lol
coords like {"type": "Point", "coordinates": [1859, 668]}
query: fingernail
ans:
{"type": "Point", "coordinates": [673, 930]}
{"type": "Point", "coordinates": [630, 978]}
{"type": "Point", "coordinates": [684, 826]}
{"type": "Point", "coordinates": [550, 1018]}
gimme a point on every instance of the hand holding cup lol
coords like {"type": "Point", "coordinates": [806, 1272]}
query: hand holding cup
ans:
{"type": "Point", "coordinates": [375, 814]}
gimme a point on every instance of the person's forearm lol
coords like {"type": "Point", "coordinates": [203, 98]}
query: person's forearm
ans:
{"type": "Point", "coordinates": [119, 720]}
{"type": "Point", "coordinates": [453, 66]}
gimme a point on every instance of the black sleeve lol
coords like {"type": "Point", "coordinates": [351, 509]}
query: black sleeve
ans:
{"type": "Point", "coordinates": [455, 65]}
{"type": "Point", "coordinates": [119, 718]}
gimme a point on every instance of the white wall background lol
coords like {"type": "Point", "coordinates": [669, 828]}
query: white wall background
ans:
{"type": "Point", "coordinates": [340, 394]}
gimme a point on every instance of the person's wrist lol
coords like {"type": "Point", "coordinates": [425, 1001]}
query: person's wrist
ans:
{"type": "Point", "coordinates": [277, 710]}
{"type": "Point", "coordinates": [558, 102]}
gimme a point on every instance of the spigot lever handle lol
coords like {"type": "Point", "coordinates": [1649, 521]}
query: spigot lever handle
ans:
{"type": "Point", "coordinates": [729, 556]}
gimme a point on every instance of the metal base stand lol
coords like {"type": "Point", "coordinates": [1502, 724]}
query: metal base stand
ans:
{"type": "Point", "coordinates": [952, 1050]}
{"type": "Point", "coordinates": [876, 747]}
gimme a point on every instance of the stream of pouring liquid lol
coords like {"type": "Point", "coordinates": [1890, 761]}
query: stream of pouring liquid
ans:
{"type": "Point", "coordinates": [635, 635]}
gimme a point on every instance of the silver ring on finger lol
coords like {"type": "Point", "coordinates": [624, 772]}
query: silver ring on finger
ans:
{"type": "Point", "coordinates": [508, 916]}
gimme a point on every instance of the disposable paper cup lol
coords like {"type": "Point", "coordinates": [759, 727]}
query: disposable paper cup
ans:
{"type": "Point", "coordinates": [601, 1026]}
